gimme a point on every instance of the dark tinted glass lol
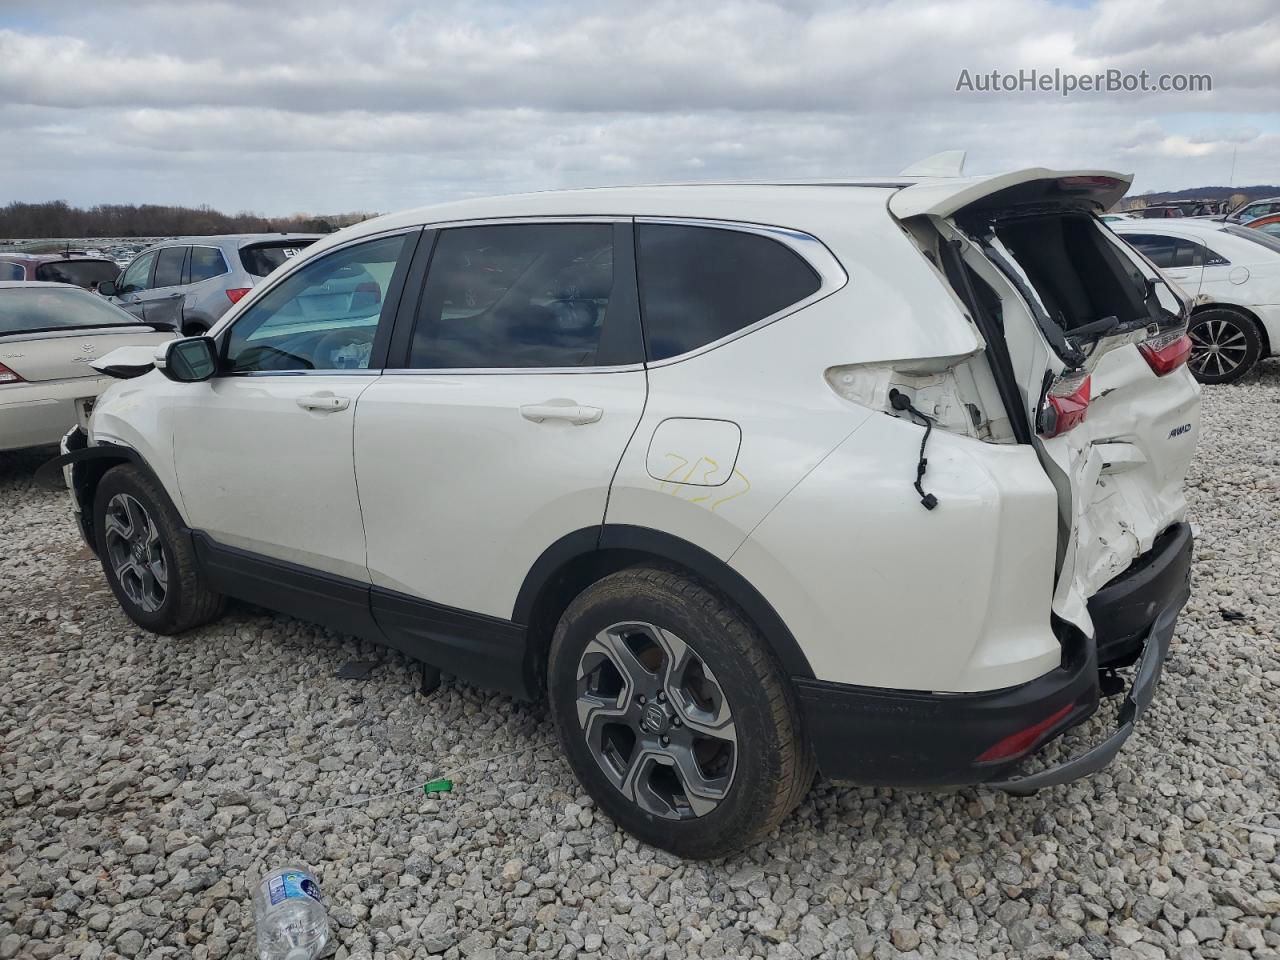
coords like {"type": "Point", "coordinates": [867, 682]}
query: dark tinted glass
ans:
{"type": "Point", "coordinates": [519, 295]}
{"type": "Point", "coordinates": [698, 284]}
{"type": "Point", "coordinates": [205, 263]}
{"type": "Point", "coordinates": [80, 272]}
{"type": "Point", "coordinates": [1159, 250]}
{"type": "Point", "coordinates": [169, 267]}
{"type": "Point", "coordinates": [262, 258]}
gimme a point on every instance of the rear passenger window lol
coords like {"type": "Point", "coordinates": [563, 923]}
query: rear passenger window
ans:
{"type": "Point", "coordinates": [698, 284]}
{"type": "Point", "coordinates": [169, 267]}
{"type": "Point", "coordinates": [1162, 251]}
{"type": "Point", "coordinates": [515, 296]}
{"type": "Point", "coordinates": [206, 263]}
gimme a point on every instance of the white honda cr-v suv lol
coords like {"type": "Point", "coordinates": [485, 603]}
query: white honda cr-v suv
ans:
{"type": "Point", "coordinates": [882, 478]}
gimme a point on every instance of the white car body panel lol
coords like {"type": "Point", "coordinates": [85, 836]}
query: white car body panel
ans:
{"type": "Point", "coordinates": [257, 471]}
{"type": "Point", "coordinates": [461, 493]}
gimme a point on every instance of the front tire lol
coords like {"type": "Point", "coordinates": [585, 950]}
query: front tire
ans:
{"type": "Point", "coordinates": [1225, 345]}
{"type": "Point", "coordinates": [675, 715]}
{"type": "Point", "coordinates": [149, 563]}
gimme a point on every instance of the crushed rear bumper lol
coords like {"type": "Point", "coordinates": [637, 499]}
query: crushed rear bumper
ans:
{"type": "Point", "coordinates": [919, 739]}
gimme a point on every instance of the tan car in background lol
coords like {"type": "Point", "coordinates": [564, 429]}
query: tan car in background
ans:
{"type": "Point", "coordinates": [50, 333]}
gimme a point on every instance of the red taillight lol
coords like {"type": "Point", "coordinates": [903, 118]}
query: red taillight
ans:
{"type": "Point", "coordinates": [1166, 352]}
{"type": "Point", "coordinates": [235, 293]}
{"type": "Point", "coordinates": [1065, 404]}
{"type": "Point", "coordinates": [1019, 743]}
{"type": "Point", "coordinates": [8, 376]}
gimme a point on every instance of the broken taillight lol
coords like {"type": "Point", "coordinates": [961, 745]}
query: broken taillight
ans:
{"type": "Point", "coordinates": [1065, 404]}
{"type": "Point", "coordinates": [1019, 743]}
{"type": "Point", "coordinates": [235, 293]}
{"type": "Point", "coordinates": [8, 376]}
{"type": "Point", "coordinates": [1166, 352]}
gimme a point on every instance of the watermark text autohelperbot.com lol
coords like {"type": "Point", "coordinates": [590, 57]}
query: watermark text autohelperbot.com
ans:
{"type": "Point", "coordinates": [1066, 83]}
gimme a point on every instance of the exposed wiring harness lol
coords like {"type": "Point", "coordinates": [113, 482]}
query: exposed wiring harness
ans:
{"type": "Point", "coordinates": [899, 401]}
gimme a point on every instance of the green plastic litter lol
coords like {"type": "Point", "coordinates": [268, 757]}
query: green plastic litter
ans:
{"type": "Point", "coordinates": [437, 786]}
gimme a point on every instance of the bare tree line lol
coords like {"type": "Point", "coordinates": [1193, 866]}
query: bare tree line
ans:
{"type": "Point", "coordinates": [57, 218]}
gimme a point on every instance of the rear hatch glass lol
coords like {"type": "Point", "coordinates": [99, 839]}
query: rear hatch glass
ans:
{"type": "Point", "coordinates": [80, 272]}
{"type": "Point", "coordinates": [259, 259]}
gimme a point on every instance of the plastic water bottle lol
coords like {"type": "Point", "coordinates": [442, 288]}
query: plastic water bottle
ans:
{"type": "Point", "coordinates": [290, 916]}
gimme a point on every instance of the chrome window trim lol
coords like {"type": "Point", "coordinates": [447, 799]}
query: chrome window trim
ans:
{"type": "Point", "coordinates": [831, 274]}
{"type": "Point", "coordinates": [507, 371]}
{"type": "Point", "coordinates": [226, 267]}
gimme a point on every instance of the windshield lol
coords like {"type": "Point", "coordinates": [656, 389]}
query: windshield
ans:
{"type": "Point", "coordinates": [1254, 234]}
{"type": "Point", "coordinates": [80, 272]}
{"type": "Point", "coordinates": [262, 258]}
{"type": "Point", "coordinates": [45, 308]}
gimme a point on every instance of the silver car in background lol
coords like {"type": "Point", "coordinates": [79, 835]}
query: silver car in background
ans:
{"type": "Point", "coordinates": [190, 282]}
{"type": "Point", "coordinates": [50, 333]}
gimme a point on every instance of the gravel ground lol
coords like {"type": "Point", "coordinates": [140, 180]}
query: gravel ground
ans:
{"type": "Point", "coordinates": [146, 784]}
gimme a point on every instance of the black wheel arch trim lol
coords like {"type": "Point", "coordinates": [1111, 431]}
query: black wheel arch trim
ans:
{"type": "Point", "coordinates": [659, 545]}
{"type": "Point", "coordinates": [88, 466]}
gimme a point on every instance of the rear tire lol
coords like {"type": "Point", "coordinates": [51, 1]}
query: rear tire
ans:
{"type": "Point", "coordinates": [1225, 345]}
{"type": "Point", "coordinates": [675, 715]}
{"type": "Point", "coordinates": [194, 330]}
{"type": "Point", "coordinates": [149, 562]}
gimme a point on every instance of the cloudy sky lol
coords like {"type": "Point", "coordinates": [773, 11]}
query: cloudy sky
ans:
{"type": "Point", "coordinates": [295, 105]}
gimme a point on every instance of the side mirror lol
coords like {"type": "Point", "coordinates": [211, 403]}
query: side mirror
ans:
{"type": "Point", "coordinates": [107, 288]}
{"type": "Point", "coordinates": [190, 360]}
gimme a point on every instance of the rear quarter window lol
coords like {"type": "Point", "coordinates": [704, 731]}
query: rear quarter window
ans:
{"type": "Point", "coordinates": [12, 271]}
{"type": "Point", "coordinates": [261, 258]}
{"type": "Point", "coordinates": [699, 284]}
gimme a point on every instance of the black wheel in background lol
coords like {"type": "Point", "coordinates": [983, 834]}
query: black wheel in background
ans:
{"type": "Point", "coordinates": [1225, 345]}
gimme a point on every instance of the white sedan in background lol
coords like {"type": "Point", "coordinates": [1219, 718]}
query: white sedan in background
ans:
{"type": "Point", "coordinates": [49, 335]}
{"type": "Point", "coordinates": [1232, 274]}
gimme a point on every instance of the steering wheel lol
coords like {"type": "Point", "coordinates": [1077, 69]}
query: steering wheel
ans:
{"type": "Point", "coordinates": [332, 342]}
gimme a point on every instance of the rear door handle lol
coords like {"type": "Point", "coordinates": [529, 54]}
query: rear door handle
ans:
{"type": "Point", "coordinates": [323, 403]}
{"type": "Point", "coordinates": [562, 410]}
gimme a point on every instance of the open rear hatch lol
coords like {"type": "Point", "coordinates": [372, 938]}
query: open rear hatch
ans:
{"type": "Point", "coordinates": [1087, 341]}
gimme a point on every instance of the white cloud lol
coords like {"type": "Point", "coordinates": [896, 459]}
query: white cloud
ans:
{"type": "Point", "coordinates": [295, 105]}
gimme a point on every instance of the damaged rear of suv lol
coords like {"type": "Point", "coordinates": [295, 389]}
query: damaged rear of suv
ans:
{"type": "Point", "coordinates": [879, 477]}
{"type": "Point", "coordinates": [1082, 361]}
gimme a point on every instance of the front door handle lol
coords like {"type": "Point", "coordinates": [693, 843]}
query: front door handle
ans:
{"type": "Point", "coordinates": [561, 410]}
{"type": "Point", "coordinates": [323, 403]}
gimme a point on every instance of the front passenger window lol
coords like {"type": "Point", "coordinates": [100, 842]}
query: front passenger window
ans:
{"type": "Point", "coordinates": [321, 317]}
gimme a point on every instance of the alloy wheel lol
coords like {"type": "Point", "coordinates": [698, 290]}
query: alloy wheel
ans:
{"type": "Point", "coordinates": [134, 551]}
{"type": "Point", "coordinates": [656, 720]}
{"type": "Point", "coordinates": [1218, 347]}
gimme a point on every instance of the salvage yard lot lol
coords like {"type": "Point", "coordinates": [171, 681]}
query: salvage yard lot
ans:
{"type": "Point", "coordinates": [146, 783]}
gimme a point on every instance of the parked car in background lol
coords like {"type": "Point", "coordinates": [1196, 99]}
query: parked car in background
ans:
{"type": "Point", "coordinates": [1233, 275]}
{"type": "Point", "coordinates": [192, 281]}
{"type": "Point", "coordinates": [80, 269]}
{"type": "Point", "coordinates": [1270, 224]}
{"type": "Point", "coordinates": [709, 539]}
{"type": "Point", "coordinates": [1254, 209]}
{"type": "Point", "coordinates": [1157, 211]}
{"type": "Point", "coordinates": [1113, 217]}
{"type": "Point", "coordinates": [49, 335]}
